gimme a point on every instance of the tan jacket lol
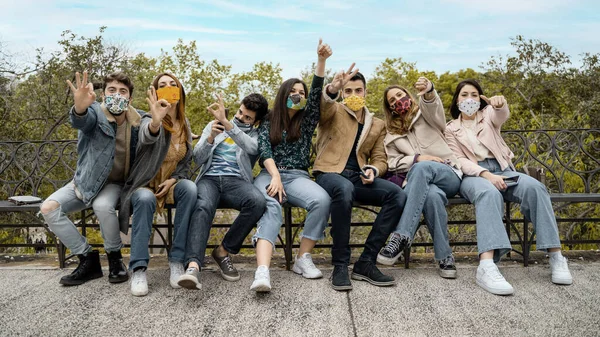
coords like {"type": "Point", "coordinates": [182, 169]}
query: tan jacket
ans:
{"type": "Point", "coordinates": [489, 121]}
{"type": "Point", "coordinates": [335, 137]}
{"type": "Point", "coordinates": [425, 136]}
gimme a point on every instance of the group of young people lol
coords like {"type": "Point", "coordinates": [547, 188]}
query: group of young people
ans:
{"type": "Point", "coordinates": [135, 162]}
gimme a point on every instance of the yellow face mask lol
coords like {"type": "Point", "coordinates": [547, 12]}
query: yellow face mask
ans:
{"type": "Point", "coordinates": [354, 103]}
{"type": "Point", "coordinates": [170, 94]}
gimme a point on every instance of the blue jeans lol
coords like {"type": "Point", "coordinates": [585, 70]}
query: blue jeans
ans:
{"type": "Point", "coordinates": [344, 189]}
{"type": "Point", "coordinates": [301, 192]}
{"type": "Point", "coordinates": [104, 207]}
{"type": "Point", "coordinates": [144, 205]}
{"type": "Point", "coordinates": [489, 209]}
{"type": "Point", "coordinates": [224, 192]}
{"type": "Point", "coordinates": [429, 185]}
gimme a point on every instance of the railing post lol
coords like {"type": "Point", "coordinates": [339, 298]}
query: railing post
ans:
{"type": "Point", "coordinates": [289, 240]}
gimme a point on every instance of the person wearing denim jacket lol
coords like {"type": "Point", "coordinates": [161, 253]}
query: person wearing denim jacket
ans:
{"type": "Point", "coordinates": [226, 153]}
{"type": "Point", "coordinates": [107, 138]}
{"type": "Point", "coordinates": [285, 142]}
{"type": "Point", "coordinates": [474, 136]}
{"type": "Point", "coordinates": [350, 163]}
{"type": "Point", "coordinates": [419, 160]}
{"type": "Point", "coordinates": [160, 176]}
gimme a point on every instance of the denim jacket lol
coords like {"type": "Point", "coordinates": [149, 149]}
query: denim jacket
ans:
{"type": "Point", "coordinates": [246, 152]}
{"type": "Point", "coordinates": [96, 147]}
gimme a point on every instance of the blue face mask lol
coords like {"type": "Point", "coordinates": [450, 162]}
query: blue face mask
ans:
{"type": "Point", "coordinates": [296, 102]}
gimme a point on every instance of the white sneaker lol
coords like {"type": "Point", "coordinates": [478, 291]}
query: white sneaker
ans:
{"type": "Point", "coordinates": [176, 272]}
{"type": "Point", "coordinates": [560, 270]}
{"type": "Point", "coordinates": [262, 280]}
{"type": "Point", "coordinates": [305, 267]}
{"type": "Point", "coordinates": [490, 279]}
{"type": "Point", "coordinates": [139, 284]}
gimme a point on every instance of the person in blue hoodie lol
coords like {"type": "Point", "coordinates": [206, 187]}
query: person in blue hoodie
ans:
{"type": "Point", "coordinates": [107, 139]}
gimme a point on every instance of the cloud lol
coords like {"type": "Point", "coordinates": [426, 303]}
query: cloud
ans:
{"type": "Point", "coordinates": [494, 7]}
{"type": "Point", "coordinates": [153, 25]}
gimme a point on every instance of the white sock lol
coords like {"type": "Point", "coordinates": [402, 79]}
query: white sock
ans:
{"type": "Point", "coordinates": [486, 262]}
{"type": "Point", "coordinates": [262, 266]}
{"type": "Point", "coordinates": [555, 255]}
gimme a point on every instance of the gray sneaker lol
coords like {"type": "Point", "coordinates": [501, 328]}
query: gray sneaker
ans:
{"type": "Point", "coordinates": [228, 271]}
{"type": "Point", "coordinates": [190, 280]}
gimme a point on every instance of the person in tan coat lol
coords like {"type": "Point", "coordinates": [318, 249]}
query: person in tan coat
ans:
{"type": "Point", "coordinates": [474, 136]}
{"type": "Point", "coordinates": [420, 160]}
{"type": "Point", "coordinates": [349, 165]}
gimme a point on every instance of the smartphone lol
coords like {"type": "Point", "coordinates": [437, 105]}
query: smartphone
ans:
{"type": "Point", "coordinates": [511, 181]}
{"type": "Point", "coordinates": [283, 197]}
{"type": "Point", "coordinates": [364, 175]}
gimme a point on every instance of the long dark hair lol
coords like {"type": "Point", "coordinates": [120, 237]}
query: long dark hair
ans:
{"type": "Point", "coordinates": [280, 119]}
{"type": "Point", "coordinates": [167, 122]}
{"type": "Point", "coordinates": [394, 123]}
{"type": "Point", "coordinates": [454, 107]}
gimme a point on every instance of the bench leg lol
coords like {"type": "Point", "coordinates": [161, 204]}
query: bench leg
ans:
{"type": "Point", "coordinates": [525, 244]}
{"type": "Point", "coordinates": [289, 239]}
{"type": "Point", "coordinates": [406, 257]}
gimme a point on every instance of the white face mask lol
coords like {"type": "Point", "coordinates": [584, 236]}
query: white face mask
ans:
{"type": "Point", "coordinates": [469, 106]}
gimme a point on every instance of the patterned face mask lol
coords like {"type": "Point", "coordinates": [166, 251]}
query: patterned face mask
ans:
{"type": "Point", "coordinates": [116, 104]}
{"type": "Point", "coordinates": [402, 106]}
{"type": "Point", "coordinates": [296, 102]}
{"type": "Point", "coordinates": [354, 103]}
{"type": "Point", "coordinates": [469, 106]}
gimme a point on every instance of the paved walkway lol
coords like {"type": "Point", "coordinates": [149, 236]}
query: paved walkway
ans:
{"type": "Point", "coordinates": [32, 303]}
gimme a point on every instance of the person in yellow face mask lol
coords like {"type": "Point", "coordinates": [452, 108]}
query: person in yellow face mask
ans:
{"type": "Point", "coordinates": [350, 161]}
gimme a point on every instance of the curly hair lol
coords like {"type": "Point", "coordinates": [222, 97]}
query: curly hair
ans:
{"type": "Point", "coordinates": [257, 103]}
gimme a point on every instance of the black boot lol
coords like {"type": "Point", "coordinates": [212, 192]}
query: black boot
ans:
{"type": "Point", "coordinates": [89, 268]}
{"type": "Point", "coordinates": [117, 272]}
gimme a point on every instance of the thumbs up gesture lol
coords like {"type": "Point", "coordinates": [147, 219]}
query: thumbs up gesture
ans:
{"type": "Point", "coordinates": [323, 50]}
{"type": "Point", "coordinates": [496, 101]}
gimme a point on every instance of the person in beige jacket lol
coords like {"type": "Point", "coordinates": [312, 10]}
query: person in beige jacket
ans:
{"type": "Point", "coordinates": [420, 160]}
{"type": "Point", "coordinates": [350, 161]}
{"type": "Point", "coordinates": [474, 136]}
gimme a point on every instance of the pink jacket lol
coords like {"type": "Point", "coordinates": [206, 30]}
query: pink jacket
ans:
{"type": "Point", "coordinates": [489, 121]}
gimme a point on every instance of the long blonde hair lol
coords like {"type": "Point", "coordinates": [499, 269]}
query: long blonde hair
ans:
{"type": "Point", "coordinates": [394, 123]}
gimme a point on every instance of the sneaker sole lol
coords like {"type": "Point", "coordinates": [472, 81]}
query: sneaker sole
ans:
{"type": "Point", "coordinates": [564, 282]}
{"type": "Point", "coordinates": [359, 277]}
{"type": "Point", "coordinates": [80, 282]}
{"type": "Point", "coordinates": [189, 283]}
{"type": "Point", "coordinates": [341, 288]}
{"type": "Point", "coordinates": [310, 277]}
{"type": "Point", "coordinates": [261, 288]}
{"type": "Point", "coordinates": [501, 292]}
{"type": "Point", "coordinates": [451, 274]}
{"type": "Point", "coordinates": [388, 261]}
{"type": "Point", "coordinates": [229, 278]}
{"type": "Point", "coordinates": [139, 293]}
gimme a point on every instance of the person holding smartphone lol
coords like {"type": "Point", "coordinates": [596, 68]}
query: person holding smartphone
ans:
{"type": "Point", "coordinates": [421, 162]}
{"type": "Point", "coordinates": [284, 142]}
{"type": "Point", "coordinates": [474, 136]}
{"type": "Point", "coordinates": [349, 165]}
{"type": "Point", "coordinates": [226, 153]}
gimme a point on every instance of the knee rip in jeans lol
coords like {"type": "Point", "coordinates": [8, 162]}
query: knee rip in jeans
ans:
{"type": "Point", "coordinates": [49, 206]}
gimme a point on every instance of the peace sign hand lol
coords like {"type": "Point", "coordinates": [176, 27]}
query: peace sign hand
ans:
{"type": "Point", "coordinates": [84, 94]}
{"type": "Point", "coordinates": [340, 79]}
{"type": "Point", "coordinates": [158, 107]}
{"type": "Point", "coordinates": [423, 85]}
{"type": "Point", "coordinates": [496, 101]}
{"type": "Point", "coordinates": [323, 51]}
